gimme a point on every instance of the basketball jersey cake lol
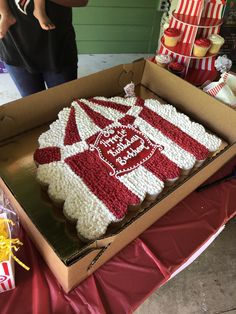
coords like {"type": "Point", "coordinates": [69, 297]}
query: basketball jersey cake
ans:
{"type": "Point", "coordinates": [103, 156]}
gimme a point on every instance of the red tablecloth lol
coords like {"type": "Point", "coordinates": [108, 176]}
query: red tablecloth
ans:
{"type": "Point", "coordinates": [124, 282]}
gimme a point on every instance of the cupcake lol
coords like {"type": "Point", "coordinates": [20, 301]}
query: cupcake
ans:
{"type": "Point", "coordinates": [171, 37]}
{"type": "Point", "coordinates": [162, 60]}
{"type": "Point", "coordinates": [201, 47]}
{"type": "Point", "coordinates": [176, 68]}
{"type": "Point", "coordinates": [216, 43]}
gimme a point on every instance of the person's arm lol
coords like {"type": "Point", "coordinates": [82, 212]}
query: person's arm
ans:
{"type": "Point", "coordinates": [71, 3]}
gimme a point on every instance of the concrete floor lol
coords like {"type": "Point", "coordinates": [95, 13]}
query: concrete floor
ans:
{"type": "Point", "coordinates": [208, 285]}
{"type": "Point", "coordinates": [88, 64]}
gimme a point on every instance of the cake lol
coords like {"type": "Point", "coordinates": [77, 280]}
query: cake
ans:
{"type": "Point", "coordinates": [103, 156]}
{"type": "Point", "coordinates": [201, 47]}
{"type": "Point", "coordinates": [171, 36]}
{"type": "Point", "coordinates": [163, 60]}
{"type": "Point", "coordinates": [176, 68]}
{"type": "Point", "coordinates": [216, 43]}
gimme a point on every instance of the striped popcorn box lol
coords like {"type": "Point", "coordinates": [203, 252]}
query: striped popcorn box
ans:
{"type": "Point", "coordinates": [7, 272]}
{"type": "Point", "coordinates": [189, 8]}
{"type": "Point", "coordinates": [7, 280]}
{"type": "Point", "coordinates": [222, 92]}
{"type": "Point", "coordinates": [230, 79]}
{"type": "Point", "coordinates": [213, 8]}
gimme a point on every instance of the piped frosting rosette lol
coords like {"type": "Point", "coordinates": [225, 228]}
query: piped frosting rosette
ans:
{"type": "Point", "coordinates": [103, 156]}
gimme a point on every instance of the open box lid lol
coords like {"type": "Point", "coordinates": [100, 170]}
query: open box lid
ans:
{"type": "Point", "coordinates": [40, 108]}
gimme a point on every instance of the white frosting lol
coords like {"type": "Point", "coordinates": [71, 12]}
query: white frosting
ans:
{"type": "Point", "coordinates": [142, 182]}
{"type": "Point", "coordinates": [80, 203]}
{"type": "Point", "coordinates": [55, 135]}
{"type": "Point", "coordinates": [85, 124]}
{"type": "Point", "coordinates": [69, 150]}
{"type": "Point", "coordinates": [161, 58]}
{"type": "Point", "coordinates": [120, 100]}
{"type": "Point", "coordinates": [216, 39]}
{"type": "Point", "coordinates": [108, 113]}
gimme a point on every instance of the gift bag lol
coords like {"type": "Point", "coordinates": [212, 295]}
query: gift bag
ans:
{"type": "Point", "coordinates": [7, 271]}
{"type": "Point", "coordinates": [9, 244]}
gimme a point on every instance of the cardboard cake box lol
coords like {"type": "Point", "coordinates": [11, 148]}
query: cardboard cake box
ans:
{"type": "Point", "coordinates": [21, 123]}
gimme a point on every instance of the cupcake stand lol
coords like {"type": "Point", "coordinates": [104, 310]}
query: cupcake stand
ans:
{"type": "Point", "coordinates": [195, 19]}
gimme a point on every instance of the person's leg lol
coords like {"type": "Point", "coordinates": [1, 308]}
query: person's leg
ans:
{"type": "Point", "coordinates": [41, 16]}
{"type": "Point", "coordinates": [6, 18]}
{"type": "Point", "coordinates": [27, 83]}
{"type": "Point", "coordinates": [68, 74]}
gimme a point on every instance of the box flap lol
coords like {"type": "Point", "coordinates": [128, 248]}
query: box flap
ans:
{"type": "Point", "coordinates": [189, 99]}
{"type": "Point", "coordinates": [40, 108]}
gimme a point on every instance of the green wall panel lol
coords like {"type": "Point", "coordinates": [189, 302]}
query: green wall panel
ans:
{"type": "Point", "coordinates": [114, 16]}
{"type": "Point", "coordinates": [113, 47]}
{"type": "Point", "coordinates": [123, 3]}
{"type": "Point", "coordinates": [115, 32]}
{"type": "Point", "coordinates": [112, 26]}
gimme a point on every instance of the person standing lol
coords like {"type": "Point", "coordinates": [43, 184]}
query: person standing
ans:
{"type": "Point", "coordinates": [36, 58]}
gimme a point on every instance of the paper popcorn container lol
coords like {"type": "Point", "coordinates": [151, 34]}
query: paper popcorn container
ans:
{"type": "Point", "coordinates": [222, 92]}
{"type": "Point", "coordinates": [7, 271]}
{"type": "Point", "coordinates": [7, 280]}
{"type": "Point", "coordinates": [230, 80]}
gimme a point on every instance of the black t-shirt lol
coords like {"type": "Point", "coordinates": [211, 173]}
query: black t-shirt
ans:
{"type": "Point", "coordinates": [27, 45]}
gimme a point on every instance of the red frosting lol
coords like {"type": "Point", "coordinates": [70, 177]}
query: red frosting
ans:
{"type": "Point", "coordinates": [96, 117]}
{"type": "Point", "coordinates": [47, 155]}
{"type": "Point", "coordinates": [96, 175]}
{"type": "Point", "coordinates": [172, 32]}
{"type": "Point", "coordinates": [162, 167]}
{"type": "Point", "coordinates": [203, 42]}
{"type": "Point", "coordinates": [110, 104]}
{"type": "Point", "coordinates": [178, 136]}
{"type": "Point", "coordinates": [176, 66]}
{"type": "Point", "coordinates": [71, 132]}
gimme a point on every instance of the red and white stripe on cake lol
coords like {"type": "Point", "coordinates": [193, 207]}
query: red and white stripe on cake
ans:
{"type": "Point", "coordinates": [77, 176]}
{"type": "Point", "coordinates": [7, 281]}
